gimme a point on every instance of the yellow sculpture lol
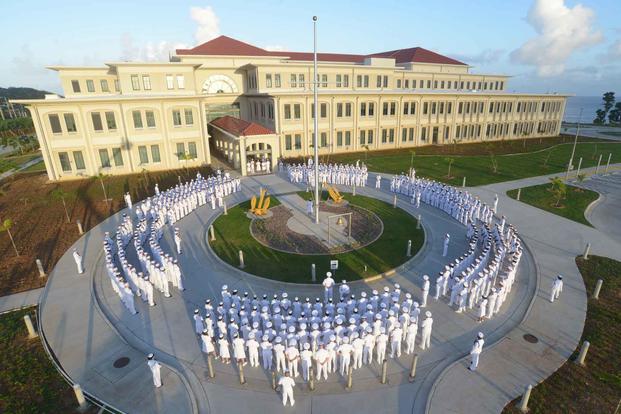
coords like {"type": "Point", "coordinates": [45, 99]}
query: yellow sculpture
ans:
{"type": "Point", "coordinates": [335, 195]}
{"type": "Point", "coordinates": [262, 206]}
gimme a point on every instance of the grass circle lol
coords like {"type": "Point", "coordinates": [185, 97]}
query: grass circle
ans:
{"type": "Point", "coordinates": [385, 253]}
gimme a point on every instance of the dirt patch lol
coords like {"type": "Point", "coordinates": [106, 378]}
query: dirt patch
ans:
{"type": "Point", "coordinates": [40, 227]}
{"type": "Point", "coordinates": [366, 227]}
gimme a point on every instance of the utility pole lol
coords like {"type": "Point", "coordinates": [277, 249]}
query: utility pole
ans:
{"type": "Point", "coordinates": [573, 150]}
{"type": "Point", "coordinates": [316, 121]}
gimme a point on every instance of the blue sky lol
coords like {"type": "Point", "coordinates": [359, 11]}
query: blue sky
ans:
{"type": "Point", "coordinates": [546, 45]}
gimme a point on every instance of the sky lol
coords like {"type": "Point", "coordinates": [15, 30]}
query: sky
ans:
{"type": "Point", "coordinates": [560, 46]}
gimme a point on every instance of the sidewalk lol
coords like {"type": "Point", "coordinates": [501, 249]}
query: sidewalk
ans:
{"type": "Point", "coordinates": [20, 300]}
{"type": "Point", "coordinates": [508, 366]}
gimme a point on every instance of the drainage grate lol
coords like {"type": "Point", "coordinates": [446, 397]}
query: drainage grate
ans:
{"type": "Point", "coordinates": [121, 362]}
{"type": "Point", "coordinates": [531, 338]}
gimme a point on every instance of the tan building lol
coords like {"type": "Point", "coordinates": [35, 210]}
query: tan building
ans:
{"type": "Point", "coordinates": [129, 116]}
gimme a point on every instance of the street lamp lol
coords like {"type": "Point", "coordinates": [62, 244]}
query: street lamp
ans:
{"type": "Point", "coordinates": [573, 150]}
{"type": "Point", "coordinates": [315, 123]}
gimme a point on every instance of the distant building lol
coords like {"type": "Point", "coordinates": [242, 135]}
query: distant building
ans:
{"type": "Point", "coordinates": [10, 110]}
{"type": "Point", "coordinates": [128, 116]}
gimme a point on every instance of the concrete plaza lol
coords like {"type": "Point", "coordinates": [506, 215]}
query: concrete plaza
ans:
{"type": "Point", "coordinates": [88, 329]}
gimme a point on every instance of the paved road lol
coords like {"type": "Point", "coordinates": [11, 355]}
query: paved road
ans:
{"type": "Point", "coordinates": [20, 168]}
{"type": "Point", "coordinates": [595, 132]}
{"type": "Point", "coordinates": [605, 214]}
{"type": "Point", "coordinates": [88, 329]}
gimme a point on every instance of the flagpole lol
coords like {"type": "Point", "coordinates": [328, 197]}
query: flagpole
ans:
{"type": "Point", "coordinates": [315, 132]}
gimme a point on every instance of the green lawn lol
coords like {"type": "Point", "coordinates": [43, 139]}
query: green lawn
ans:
{"type": "Point", "coordinates": [40, 166]}
{"type": "Point", "coordinates": [572, 206]}
{"type": "Point", "coordinates": [596, 387]}
{"type": "Point", "coordinates": [479, 169]}
{"type": "Point", "coordinates": [233, 234]}
{"type": "Point", "coordinates": [28, 381]}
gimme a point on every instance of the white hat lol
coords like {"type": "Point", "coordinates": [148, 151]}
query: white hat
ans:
{"type": "Point", "coordinates": [306, 345]}
{"type": "Point", "coordinates": [425, 277]}
{"type": "Point", "coordinates": [150, 356]}
{"type": "Point", "coordinates": [329, 274]}
{"type": "Point", "coordinates": [428, 314]}
{"type": "Point", "coordinates": [480, 335]}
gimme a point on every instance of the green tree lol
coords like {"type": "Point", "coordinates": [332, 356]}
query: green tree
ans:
{"type": "Point", "coordinates": [555, 182]}
{"type": "Point", "coordinates": [62, 195]}
{"type": "Point", "coordinates": [6, 226]}
{"type": "Point", "coordinates": [609, 100]}
{"type": "Point", "coordinates": [366, 152]}
{"type": "Point", "coordinates": [450, 162]}
{"type": "Point", "coordinates": [101, 177]}
{"type": "Point", "coordinates": [614, 116]}
{"type": "Point", "coordinates": [559, 191]}
{"type": "Point", "coordinates": [600, 117]}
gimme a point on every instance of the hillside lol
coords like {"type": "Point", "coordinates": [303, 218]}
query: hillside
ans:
{"type": "Point", "coordinates": [22, 93]}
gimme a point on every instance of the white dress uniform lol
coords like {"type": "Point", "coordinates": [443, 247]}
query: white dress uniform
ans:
{"type": "Point", "coordinates": [286, 384]}
{"type": "Point", "coordinates": [155, 368]}
{"type": "Point", "coordinates": [477, 347]}
{"type": "Point", "coordinates": [78, 261]}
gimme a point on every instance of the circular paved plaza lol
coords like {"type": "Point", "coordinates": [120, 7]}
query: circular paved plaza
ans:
{"type": "Point", "coordinates": [103, 347]}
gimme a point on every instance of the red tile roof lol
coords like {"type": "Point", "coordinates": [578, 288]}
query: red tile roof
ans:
{"type": "Point", "coordinates": [226, 46]}
{"type": "Point", "coordinates": [239, 127]}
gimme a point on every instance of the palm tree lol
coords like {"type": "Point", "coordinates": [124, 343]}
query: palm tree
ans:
{"type": "Point", "coordinates": [450, 163]}
{"type": "Point", "coordinates": [101, 176]}
{"type": "Point", "coordinates": [6, 226]}
{"type": "Point", "coordinates": [413, 153]}
{"type": "Point", "coordinates": [556, 182]}
{"type": "Point", "coordinates": [366, 152]}
{"type": "Point", "coordinates": [60, 194]}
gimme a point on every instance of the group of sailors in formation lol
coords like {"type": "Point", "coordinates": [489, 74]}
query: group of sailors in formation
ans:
{"type": "Point", "coordinates": [334, 334]}
{"type": "Point", "coordinates": [157, 270]}
{"type": "Point", "coordinates": [261, 165]}
{"type": "Point", "coordinates": [483, 276]}
{"type": "Point", "coordinates": [339, 174]}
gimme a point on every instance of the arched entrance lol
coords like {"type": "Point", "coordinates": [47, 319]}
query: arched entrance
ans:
{"type": "Point", "coordinates": [258, 158]}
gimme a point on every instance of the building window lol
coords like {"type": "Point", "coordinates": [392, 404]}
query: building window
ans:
{"type": "Point", "coordinates": [137, 117]}
{"type": "Point", "coordinates": [142, 154]}
{"type": "Point", "coordinates": [189, 117]}
{"type": "Point", "coordinates": [104, 157]}
{"type": "Point", "coordinates": [348, 109]}
{"type": "Point", "coordinates": [155, 153]}
{"type": "Point", "coordinates": [384, 136]}
{"type": "Point", "coordinates": [104, 85]}
{"type": "Point", "coordinates": [97, 124]}
{"type": "Point", "coordinates": [180, 151]}
{"type": "Point", "coordinates": [150, 119]}
{"type": "Point", "coordinates": [79, 160]}
{"type": "Point", "coordinates": [362, 137]}
{"type": "Point", "coordinates": [180, 81]}
{"type": "Point", "coordinates": [324, 81]}
{"type": "Point", "coordinates": [110, 121]}
{"type": "Point", "coordinates": [298, 141]}
{"type": "Point", "coordinates": [370, 137]}
{"type": "Point", "coordinates": [293, 82]}
{"type": "Point", "coordinates": [90, 85]}
{"type": "Point", "coordinates": [411, 134]}
{"type": "Point", "coordinates": [55, 124]}
{"type": "Point", "coordinates": [268, 80]}
{"type": "Point", "coordinates": [363, 109]}
{"type": "Point", "coordinates": [404, 135]}
{"type": "Point", "coordinates": [433, 108]}
{"type": "Point", "coordinates": [277, 80]}
{"type": "Point", "coordinates": [288, 142]}
{"type": "Point", "coordinates": [347, 138]}
{"type": "Point", "coordinates": [385, 109]}
{"type": "Point", "coordinates": [339, 139]}
{"type": "Point", "coordinates": [371, 108]}
{"type": "Point", "coordinates": [323, 109]}
{"type": "Point", "coordinates": [170, 82]}
{"type": "Point", "coordinates": [339, 110]}
{"type": "Point", "coordinates": [393, 108]}
{"type": "Point", "coordinates": [146, 82]}
{"type": "Point", "coordinates": [65, 164]}
{"type": "Point", "coordinates": [406, 108]}
{"type": "Point", "coordinates": [301, 80]}
{"type": "Point", "coordinates": [117, 156]}
{"type": "Point", "coordinates": [398, 83]}
{"type": "Point", "coordinates": [359, 81]}
{"type": "Point", "coordinates": [423, 134]}
{"type": "Point", "coordinates": [297, 111]}
{"type": "Point", "coordinates": [339, 82]}
{"type": "Point", "coordinates": [425, 108]}
{"type": "Point", "coordinates": [324, 139]}
{"type": "Point", "coordinates": [176, 117]}
{"type": "Point", "coordinates": [75, 85]}
{"type": "Point", "coordinates": [135, 83]}
{"type": "Point", "coordinates": [406, 84]}
{"type": "Point", "coordinates": [345, 81]}
{"type": "Point", "coordinates": [378, 83]}
{"type": "Point", "coordinates": [117, 86]}
{"type": "Point", "coordinates": [70, 122]}
{"type": "Point", "coordinates": [385, 85]}
{"type": "Point", "coordinates": [192, 150]}
{"type": "Point", "coordinates": [287, 111]}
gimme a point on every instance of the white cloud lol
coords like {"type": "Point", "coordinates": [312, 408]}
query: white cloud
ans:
{"type": "Point", "coordinates": [561, 31]}
{"type": "Point", "coordinates": [275, 48]}
{"type": "Point", "coordinates": [151, 51]}
{"type": "Point", "coordinates": [485, 57]}
{"type": "Point", "coordinates": [207, 21]}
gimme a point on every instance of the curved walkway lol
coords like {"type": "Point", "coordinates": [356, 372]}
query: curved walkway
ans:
{"type": "Point", "coordinates": [509, 365]}
{"type": "Point", "coordinates": [604, 213]}
{"type": "Point", "coordinates": [88, 329]}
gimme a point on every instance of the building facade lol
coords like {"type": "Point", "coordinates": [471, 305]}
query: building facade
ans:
{"type": "Point", "coordinates": [129, 116]}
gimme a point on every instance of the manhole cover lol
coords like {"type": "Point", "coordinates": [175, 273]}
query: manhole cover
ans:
{"type": "Point", "coordinates": [121, 362]}
{"type": "Point", "coordinates": [531, 338]}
